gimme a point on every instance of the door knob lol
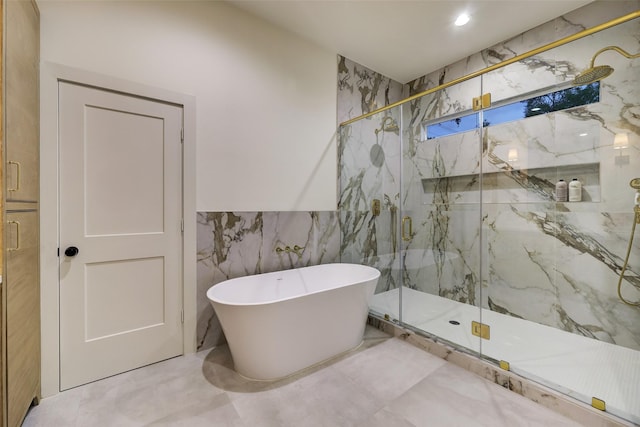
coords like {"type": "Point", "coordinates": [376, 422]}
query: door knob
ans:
{"type": "Point", "coordinates": [71, 251]}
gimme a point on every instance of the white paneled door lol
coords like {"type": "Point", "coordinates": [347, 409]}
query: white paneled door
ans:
{"type": "Point", "coordinates": [120, 232]}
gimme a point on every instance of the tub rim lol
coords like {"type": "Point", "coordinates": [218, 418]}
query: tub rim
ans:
{"type": "Point", "coordinates": [375, 276]}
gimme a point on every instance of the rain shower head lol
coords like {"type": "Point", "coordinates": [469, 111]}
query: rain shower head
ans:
{"type": "Point", "coordinates": [594, 74]}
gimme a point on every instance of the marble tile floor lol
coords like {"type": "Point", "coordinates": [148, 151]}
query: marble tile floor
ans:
{"type": "Point", "coordinates": [385, 382]}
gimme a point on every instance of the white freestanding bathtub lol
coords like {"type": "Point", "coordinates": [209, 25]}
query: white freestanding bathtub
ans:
{"type": "Point", "coordinates": [279, 323]}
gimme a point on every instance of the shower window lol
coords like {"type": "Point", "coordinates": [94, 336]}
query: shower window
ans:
{"type": "Point", "coordinates": [510, 110]}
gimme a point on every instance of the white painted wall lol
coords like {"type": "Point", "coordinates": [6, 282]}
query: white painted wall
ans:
{"type": "Point", "coordinates": [265, 114]}
{"type": "Point", "coordinates": [265, 99]}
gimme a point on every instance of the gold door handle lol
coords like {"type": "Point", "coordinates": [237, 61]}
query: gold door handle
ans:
{"type": "Point", "coordinates": [17, 187]}
{"type": "Point", "coordinates": [17, 224]}
{"type": "Point", "coordinates": [407, 220]}
{"type": "Point", "coordinates": [375, 207]}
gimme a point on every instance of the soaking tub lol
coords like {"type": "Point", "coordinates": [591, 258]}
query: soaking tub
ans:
{"type": "Point", "coordinates": [279, 323]}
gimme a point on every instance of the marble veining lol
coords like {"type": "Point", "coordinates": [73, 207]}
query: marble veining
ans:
{"type": "Point", "coordinates": [236, 244]}
{"type": "Point", "coordinates": [362, 90]}
{"type": "Point", "coordinates": [519, 251]}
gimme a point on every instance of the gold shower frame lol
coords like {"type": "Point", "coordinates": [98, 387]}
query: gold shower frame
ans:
{"type": "Point", "coordinates": [544, 48]}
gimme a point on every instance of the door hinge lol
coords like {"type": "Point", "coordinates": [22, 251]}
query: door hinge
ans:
{"type": "Point", "coordinates": [58, 252]}
{"type": "Point", "coordinates": [182, 135]}
{"type": "Point", "coordinates": [480, 330]}
{"type": "Point", "coordinates": [483, 101]}
{"type": "Point", "coordinates": [182, 225]}
{"type": "Point", "coordinates": [181, 316]}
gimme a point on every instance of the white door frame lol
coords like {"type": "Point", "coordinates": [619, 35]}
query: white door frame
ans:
{"type": "Point", "coordinates": [50, 75]}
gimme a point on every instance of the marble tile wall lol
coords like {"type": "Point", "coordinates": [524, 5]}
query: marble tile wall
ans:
{"type": "Point", "coordinates": [553, 263]}
{"type": "Point", "coordinates": [371, 169]}
{"type": "Point", "coordinates": [362, 90]}
{"type": "Point", "coordinates": [236, 244]}
{"type": "Point", "coordinates": [365, 238]}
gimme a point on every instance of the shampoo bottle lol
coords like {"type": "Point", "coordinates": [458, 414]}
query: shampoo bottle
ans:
{"type": "Point", "coordinates": [575, 190]}
{"type": "Point", "coordinates": [561, 191]}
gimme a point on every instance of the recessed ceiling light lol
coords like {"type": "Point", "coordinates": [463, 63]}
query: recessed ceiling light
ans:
{"type": "Point", "coordinates": [584, 134]}
{"type": "Point", "coordinates": [462, 19]}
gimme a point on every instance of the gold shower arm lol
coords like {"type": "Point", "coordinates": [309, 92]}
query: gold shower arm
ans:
{"type": "Point", "coordinates": [617, 49]}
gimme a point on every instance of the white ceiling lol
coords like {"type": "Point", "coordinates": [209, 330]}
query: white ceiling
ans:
{"type": "Point", "coordinates": [406, 39]}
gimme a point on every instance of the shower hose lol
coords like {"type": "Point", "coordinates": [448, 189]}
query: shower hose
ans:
{"type": "Point", "coordinates": [636, 220]}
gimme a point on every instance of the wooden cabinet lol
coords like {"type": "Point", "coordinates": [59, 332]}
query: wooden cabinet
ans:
{"type": "Point", "coordinates": [20, 290]}
{"type": "Point", "coordinates": [22, 313]}
{"type": "Point", "coordinates": [21, 101]}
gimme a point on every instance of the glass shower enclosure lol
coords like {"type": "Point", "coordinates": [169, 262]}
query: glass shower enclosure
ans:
{"type": "Point", "coordinates": [452, 195]}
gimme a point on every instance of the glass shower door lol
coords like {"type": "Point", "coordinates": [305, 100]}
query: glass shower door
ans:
{"type": "Point", "coordinates": [553, 263]}
{"type": "Point", "coordinates": [440, 215]}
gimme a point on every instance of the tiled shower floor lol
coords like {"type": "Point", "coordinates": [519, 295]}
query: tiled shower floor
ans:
{"type": "Point", "coordinates": [574, 365]}
{"type": "Point", "coordinates": [385, 382]}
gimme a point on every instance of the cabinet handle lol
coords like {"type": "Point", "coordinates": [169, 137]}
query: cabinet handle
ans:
{"type": "Point", "coordinates": [17, 188]}
{"type": "Point", "coordinates": [17, 224]}
{"type": "Point", "coordinates": [407, 220]}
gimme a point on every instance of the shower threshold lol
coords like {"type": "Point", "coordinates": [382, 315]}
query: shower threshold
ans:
{"type": "Point", "coordinates": [577, 366]}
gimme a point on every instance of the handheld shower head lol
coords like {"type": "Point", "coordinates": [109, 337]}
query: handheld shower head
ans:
{"type": "Point", "coordinates": [635, 184]}
{"type": "Point", "coordinates": [594, 74]}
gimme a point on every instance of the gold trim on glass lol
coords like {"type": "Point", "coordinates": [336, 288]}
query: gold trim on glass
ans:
{"type": "Point", "coordinates": [493, 67]}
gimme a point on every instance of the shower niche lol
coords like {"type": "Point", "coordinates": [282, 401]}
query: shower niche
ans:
{"type": "Point", "coordinates": [470, 229]}
{"type": "Point", "coordinates": [523, 185]}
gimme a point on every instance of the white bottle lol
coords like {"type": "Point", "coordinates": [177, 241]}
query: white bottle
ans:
{"type": "Point", "coordinates": [561, 191]}
{"type": "Point", "coordinates": [575, 190]}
